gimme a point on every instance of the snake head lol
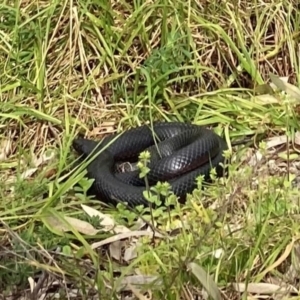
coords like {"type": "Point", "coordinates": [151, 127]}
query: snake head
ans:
{"type": "Point", "coordinates": [84, 146]}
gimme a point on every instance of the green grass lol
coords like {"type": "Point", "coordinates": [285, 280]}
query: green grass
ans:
{"type": "Point", "coordinates": [93, 67]}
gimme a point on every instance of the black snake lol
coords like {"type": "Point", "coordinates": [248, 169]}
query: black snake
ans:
{"type": "Point", "coordinates": [181, 153]}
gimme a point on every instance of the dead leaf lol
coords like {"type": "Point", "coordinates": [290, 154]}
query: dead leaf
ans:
{"type": "Point", "coordinates": [115, 249]}
{"type": "Point", "coordinates": [139, 280]}
{"type": "Point", "coordinates": [259, 288]}
{"type": "Point", "coordinates": [107, 222]}
{"type": "Point", "coordinates": [283, 78]}
{"type": "Point", "coordinates": [276, 141]}
{"type": "Point", "coordinates": [79, 225]}
{"type": "Point", "coordinates": [125, 235]}
{"type": "Point", "coordinates": [137, 293]}
{"type": "Point", "coordinates": [140, 223]}
{"type": "Point", "coordinates": [265, 99]}
{"type": "Point", "coordinates": [297, 138]}
{"type": "Point", "coordinates": [131, 252]}
{"type": "Point", "coordinates": [283, 85]}
{"type": "Point", "coordinates": [206, 281]}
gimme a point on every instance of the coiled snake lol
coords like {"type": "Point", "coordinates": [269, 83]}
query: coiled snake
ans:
{"type": "Point", "coordinates": [182, 153]}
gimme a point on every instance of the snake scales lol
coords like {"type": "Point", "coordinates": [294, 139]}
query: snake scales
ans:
{"type": "Point", "coordinates": [184, 152]}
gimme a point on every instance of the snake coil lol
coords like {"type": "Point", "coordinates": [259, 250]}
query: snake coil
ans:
{"type": "Point", "coordinates": [180, 152]}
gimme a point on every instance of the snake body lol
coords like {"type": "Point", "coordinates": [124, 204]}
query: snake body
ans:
{"type": "Point", "coordinates": [180, 152]}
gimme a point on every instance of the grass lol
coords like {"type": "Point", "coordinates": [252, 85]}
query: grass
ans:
{"type": "Point", "coordinates": [91, 67]}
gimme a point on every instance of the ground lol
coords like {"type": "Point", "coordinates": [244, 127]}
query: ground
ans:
{"type": "Point", "coordinates": [96, 67]}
